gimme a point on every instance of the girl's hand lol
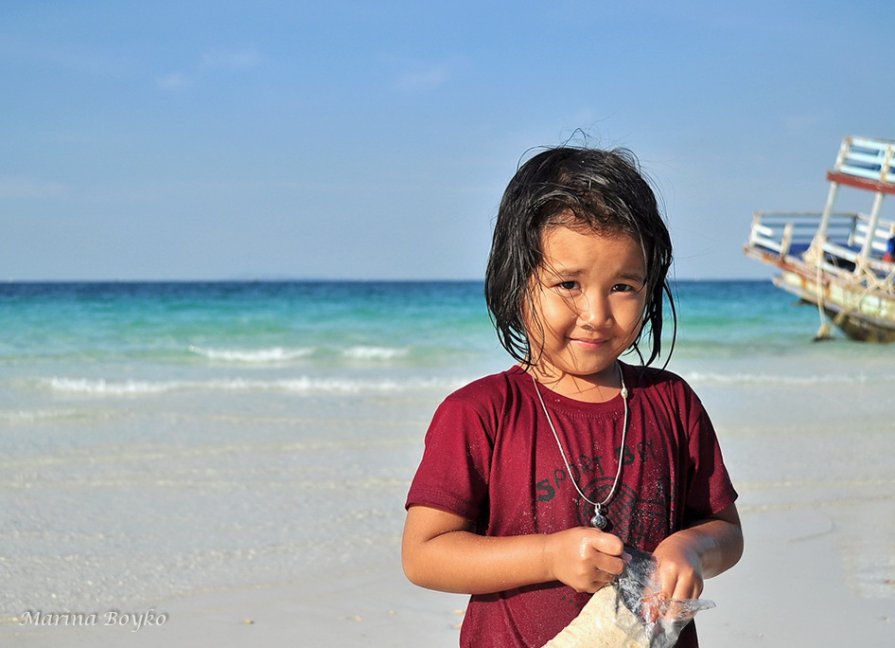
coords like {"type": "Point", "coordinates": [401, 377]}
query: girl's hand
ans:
{"type": "Point", "coordinates": [585, 559]}
{"type": "Point", "coordinates": [704, 549]}
{"type": "Point", "coordinates": [678, 568]}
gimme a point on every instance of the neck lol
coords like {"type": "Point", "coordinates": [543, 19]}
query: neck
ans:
{"type": "Point", "coordinates": [596, 388]}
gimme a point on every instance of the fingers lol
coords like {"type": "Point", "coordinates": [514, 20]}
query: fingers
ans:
{"type": "Point", "coordinates": [677, 583]}
{"type": "Point", "coordinates": [688, 586]}
{"type": "Point", "coordinates": [684, 590]}
{"type": "Point", "coordinates": [583, 558]}
{"type": "Point", "coordinates": [595, 579]}
{"type": "Point", "coordinates": [606, 552]}
{"type": "Point", "coordinates": [604, 557]}
{"type": "Point", "coordinates": [601, 579]}
{"type": "Point", "coordinates": [678, 568]}
{"type": "Point", "coordinates": [607, 543]}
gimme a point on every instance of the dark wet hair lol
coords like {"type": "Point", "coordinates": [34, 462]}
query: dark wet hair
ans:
{"type": "Point", "coordinates": [601, 191]}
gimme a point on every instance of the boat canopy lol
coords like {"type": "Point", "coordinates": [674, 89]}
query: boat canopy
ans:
{"type": "Point", "coordinates": [865, 163]}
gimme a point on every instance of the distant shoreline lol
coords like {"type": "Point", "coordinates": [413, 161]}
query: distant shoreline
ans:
{"type": "Point", "coordinates": [158, 282]}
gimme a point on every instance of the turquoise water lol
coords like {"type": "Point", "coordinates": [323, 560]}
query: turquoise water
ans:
{"type": "Point", "coordinates": [107, 339]}
{"type": "Point", "coordinates": [175, 329]}
{"type": "Point", "coordinates": [429, 323]}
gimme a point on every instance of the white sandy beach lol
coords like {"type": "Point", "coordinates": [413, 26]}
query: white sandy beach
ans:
{"type": "Point", "coordinates": [791, 589]}
{"type": "Point", "coordinates": [309, 556]}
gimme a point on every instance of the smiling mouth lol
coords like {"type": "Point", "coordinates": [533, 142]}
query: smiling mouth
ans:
{"type": "Point", "coordinates": [589, 342]}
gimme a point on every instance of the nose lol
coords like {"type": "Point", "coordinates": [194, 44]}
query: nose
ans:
{"type": "Point", "coordinates": [594, 310]}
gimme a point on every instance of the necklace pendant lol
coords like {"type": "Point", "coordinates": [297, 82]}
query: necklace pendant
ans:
{"type": "Point", "coordinates": [599, 520]}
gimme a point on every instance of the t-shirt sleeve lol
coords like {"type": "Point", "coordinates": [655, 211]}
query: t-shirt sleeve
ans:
{"type": "Point", "coordinates": [709, 488]}
{"type": "Point", "coordinates": [453, 473]}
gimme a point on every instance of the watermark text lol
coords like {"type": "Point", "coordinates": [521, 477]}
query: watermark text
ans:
{"type": "Point", "coordinates": [134, 620]}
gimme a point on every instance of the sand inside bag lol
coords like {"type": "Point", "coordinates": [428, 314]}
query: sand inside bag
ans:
{"type": "Point", "coordinates": [604, 622]}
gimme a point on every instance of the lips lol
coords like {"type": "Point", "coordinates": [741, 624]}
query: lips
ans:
{"type": "Point", "coordinates": [589, 341]}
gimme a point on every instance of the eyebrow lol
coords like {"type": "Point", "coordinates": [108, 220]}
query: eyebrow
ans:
{"type": "Point", "coordinates": [633, 276]}
{"type": "Point", "coordinates": [576, 272]}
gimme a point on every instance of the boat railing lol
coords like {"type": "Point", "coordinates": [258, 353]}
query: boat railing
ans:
{"type": "Point", "coordinates": [843, 259]}
{"type": "Point", "coordinates": [867, 158]}
{"type": "Point", "coordinates": [791, 233]}
{"type": "Point", "coordinates": [841, 262]}
{"type": "Point", "coordinates": [881, 235]}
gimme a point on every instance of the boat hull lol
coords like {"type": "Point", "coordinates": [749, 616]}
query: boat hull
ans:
{"type": "Point", "coordinates": [862, 315]}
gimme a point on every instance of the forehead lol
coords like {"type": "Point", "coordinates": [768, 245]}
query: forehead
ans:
{"type": "Point", "coordinates": [576, 249]}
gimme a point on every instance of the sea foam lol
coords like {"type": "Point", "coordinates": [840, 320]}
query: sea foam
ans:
{"type": "Point", "coordinates": [299, 385]}
{"type": "Point", "coordinates": [374, 353]}
{"type": "Point", "coordinates": [276, 355]}
{"type": "Point", "coordinates": [254, 356]}
{"type": "Point", "coordinates": [743, 378]}
{"type": "Point", "coordinates": [101, 387]}
{"type": "Point", "coordinates": [37, 416]}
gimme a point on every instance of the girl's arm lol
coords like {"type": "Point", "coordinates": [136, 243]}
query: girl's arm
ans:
{"type": "Point", "coordinates": [440, 551]}
{"type": "Point", "coordinates": [704, 549]}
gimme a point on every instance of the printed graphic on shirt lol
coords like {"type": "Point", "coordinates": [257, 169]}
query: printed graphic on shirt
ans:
{"type": "Point", "coordinates": [636, 517]}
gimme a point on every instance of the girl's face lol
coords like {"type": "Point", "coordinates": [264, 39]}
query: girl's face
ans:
{"type": "Point", "coordinates": [587, 308]}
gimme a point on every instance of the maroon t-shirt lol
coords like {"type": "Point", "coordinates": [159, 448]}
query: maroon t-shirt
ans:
{"type": "Point", "coordinates": [490, 457]}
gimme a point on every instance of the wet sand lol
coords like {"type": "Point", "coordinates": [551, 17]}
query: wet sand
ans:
{"type": "Point", "coordinates": [817, 500]}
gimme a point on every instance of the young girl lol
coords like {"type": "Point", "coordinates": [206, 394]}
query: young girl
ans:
{"type": "Point", "coordinates": [534, 480]}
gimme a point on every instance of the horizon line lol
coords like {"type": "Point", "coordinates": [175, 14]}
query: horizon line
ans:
{"type": "Point", "coordinates": [248, 280]}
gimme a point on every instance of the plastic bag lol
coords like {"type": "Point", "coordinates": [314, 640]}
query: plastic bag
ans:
{"type": "Point", "coordinates": [628, 614]}
{"type": "Point", "coordinates": [656, 621]}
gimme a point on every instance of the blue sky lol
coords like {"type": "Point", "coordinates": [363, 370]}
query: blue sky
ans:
{"type": "Point", "coordinates": [221, 140]}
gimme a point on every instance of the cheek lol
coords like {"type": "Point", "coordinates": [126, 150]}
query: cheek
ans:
{"type": "Point", "coordinates": [632, 317]}
{"type": "Point", "coordinates": [532, 319]}
{"type": "Point", "coordinates": [544, 317]}
{"type": "Point", "coordinates": [632, 328]}
{"type": "Point", "coordinates": [556, 313]}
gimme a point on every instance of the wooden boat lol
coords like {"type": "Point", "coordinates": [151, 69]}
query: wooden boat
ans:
{"type": "Point", "coordinates": [838, 260]}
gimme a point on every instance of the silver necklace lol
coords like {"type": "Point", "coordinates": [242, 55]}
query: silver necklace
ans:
{"type": "Point", "coordinates": [599, 520]}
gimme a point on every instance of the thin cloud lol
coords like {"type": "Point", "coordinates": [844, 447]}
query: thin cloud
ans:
{"type": "Point", "coordinates": [806, 122]}
{"type": "Point", "coordinates": [215, 61]}
{"type": "Point", "coordinates": [424, 76]}
{"type": "Point", "coordinates": [27, 187]}
{"type": "Point", "coordinates": [80, 59]}
{"type": "Point", "coordinates": [173, 81]}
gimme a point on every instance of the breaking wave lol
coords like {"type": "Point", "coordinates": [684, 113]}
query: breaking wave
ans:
{"type": "Point", "coordinates": [302, 385]}
{"type": "Point", "coordinates": [831, 378]}
{"type": "Point", "coordinates": [254, 356]}
{"type": "Point", "coordinates": [280, 355]}
{"type": "Point", "coordinates": [374, 353]}
{"type": "Point", "coordinates": [37, 416]}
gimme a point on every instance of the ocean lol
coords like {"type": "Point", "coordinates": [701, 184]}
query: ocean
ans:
{"type": "Point", "coordinates": [163, 439]}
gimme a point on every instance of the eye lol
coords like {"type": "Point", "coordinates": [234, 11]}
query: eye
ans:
{"type": "Point", "coordinates": [620, 287]}
{"type": "Point", "coordinates": [567, 285]}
